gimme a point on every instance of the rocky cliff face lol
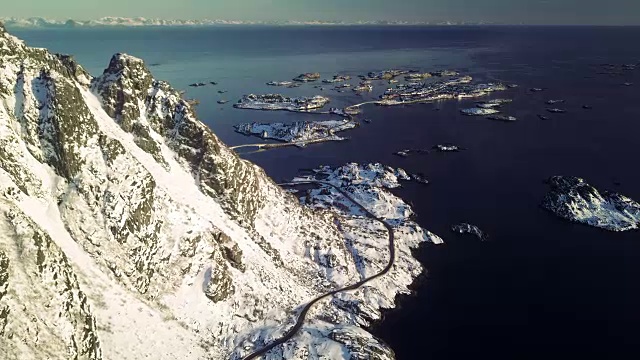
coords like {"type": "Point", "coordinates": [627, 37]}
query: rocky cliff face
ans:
{"type": "Point", "coordinates": [127, 228]}
{"type": "Point", "coordinates": [61, 320]}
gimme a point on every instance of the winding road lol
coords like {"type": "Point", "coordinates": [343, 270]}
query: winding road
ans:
{"type": "Point", "coordinates": [276, 145]}
{"type": "Point", "coordinates": [301, 317]}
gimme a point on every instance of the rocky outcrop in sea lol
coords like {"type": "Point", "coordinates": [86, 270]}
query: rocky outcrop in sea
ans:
{"type": "Point", "coordinates": [464, 228]}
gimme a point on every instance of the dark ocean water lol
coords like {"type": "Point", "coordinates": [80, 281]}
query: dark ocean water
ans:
{"type": "Point", "coordinates": [541, 287]}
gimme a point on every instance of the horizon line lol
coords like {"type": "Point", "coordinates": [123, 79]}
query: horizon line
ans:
{"type": "Point", "coordinates": [121, 21]}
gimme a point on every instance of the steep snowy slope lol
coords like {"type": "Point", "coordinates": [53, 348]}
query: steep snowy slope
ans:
{"type": "Point", "coordinates": [128, 230]}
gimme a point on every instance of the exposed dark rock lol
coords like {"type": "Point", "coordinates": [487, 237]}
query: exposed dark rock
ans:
{"type": "Point", "coordinates": [464, 228]}
{"type": "Point", "coordinates": [44, 260]}
{"type": "Point", "coordinates": [74, 70]}
{"type": "Point", "coordinates": [219, 284]}
{"type": "Point", "coordinates": [4, 287]}
{"type": "Point", "coordinates": [420, 178]}
{"type": "Point", "coordinates": [231, 251]}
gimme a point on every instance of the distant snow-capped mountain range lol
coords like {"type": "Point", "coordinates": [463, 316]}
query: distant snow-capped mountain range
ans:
{"type": "Point", "coordinates": [140, 21]}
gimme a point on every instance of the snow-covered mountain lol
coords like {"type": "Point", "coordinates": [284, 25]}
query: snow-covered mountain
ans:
{"type": "Point", "coordinates": [128, 230]}
{"type": "Point", "coordinates": [37, 22]}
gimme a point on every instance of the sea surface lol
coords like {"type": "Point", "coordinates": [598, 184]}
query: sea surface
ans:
{"type": "Point", "coordinates": [540, 287]}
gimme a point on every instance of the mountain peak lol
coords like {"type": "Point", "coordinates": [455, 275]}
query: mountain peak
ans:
{"type": "Point", "coordinates": [120, 61]}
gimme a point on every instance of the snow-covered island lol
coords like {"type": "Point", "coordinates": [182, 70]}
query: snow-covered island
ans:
{"type": "Point", "coordinates": [442, 73]}
{"type": "Point", "coordinates": [417, 76]}
{"type": "Point", "coordinates": [386, 74]}
{"type": "Point", "coordinates": [479, 111]}
{"type": "Point", "coordinates": [337, 78]}
{"type": "Point", "coordinates": [447, 148]}
{"type": "Point", "coordinates": [367, 183]}
{"type": "Point", "coordinates": [307, 77]}
{"type": "Point", "coordinates": [299, 132]}
{"type": "Point", "coordinates": [493, 103]}
{"type": "Point", "coordinates": [500, 117]}
{"type": "Point", "coordinates": [281, 102]}
{"type": "Point", "coordinates": [363, 88]}
{"type": "Point", "coordinates": [574, 199]}
{"type": "Point", "coordinates": [280, 83]}
{"type": "Point", "coordinates": [454, 88]}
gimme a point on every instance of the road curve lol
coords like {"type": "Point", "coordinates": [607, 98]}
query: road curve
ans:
{"type": "Point", "coordinates": [298, 325]}
{"type": "Point", "coordinates": [283, 144]}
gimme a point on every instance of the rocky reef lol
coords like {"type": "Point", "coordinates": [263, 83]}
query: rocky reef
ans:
{"type": "Point", "coordinates": [464, 228]}
{"type": "Point", "coordinates": [417, 76]}
{"type": "Point", "coordinates": [493, 103]}
{"type": "Point", "coordinates": [574, 199]}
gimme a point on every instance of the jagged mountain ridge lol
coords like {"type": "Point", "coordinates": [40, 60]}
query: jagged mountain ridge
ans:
{"type": "Point", "coordinates": [38, 22]}
{"type": "Point", "coordinates": [153, 223]}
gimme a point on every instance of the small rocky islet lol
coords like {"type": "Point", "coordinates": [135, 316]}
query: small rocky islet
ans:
{"type": "Point", "coordinates": [409, 152]}
{"type": "Point", "coordinates": [307, 77]}
{"type": "Point", "coordinates": [447, 148]}
{"type": "Point", "coordinates": [465, 228]}
{"type": "Point", "coordinates": [438, 148]}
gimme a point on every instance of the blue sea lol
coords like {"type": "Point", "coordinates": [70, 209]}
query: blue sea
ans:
{"type": "Point", "coordinates": [540, 287]}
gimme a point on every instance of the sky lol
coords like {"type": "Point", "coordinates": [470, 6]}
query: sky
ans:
{"type": "Point", "coordinates": [609, 12]}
